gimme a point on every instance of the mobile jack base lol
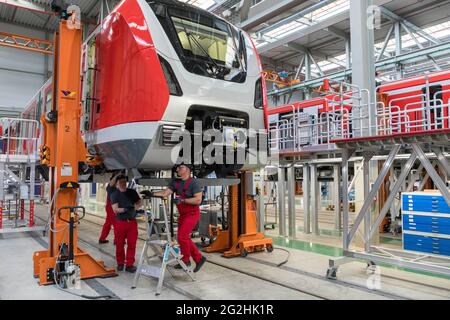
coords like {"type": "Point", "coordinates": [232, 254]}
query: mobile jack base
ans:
{"type": "Point", "coordinates": [89, 267]}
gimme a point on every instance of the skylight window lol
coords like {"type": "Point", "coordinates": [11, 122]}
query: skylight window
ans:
{"type": "Point", "coordinates": [330, 10]}
{"type": "Point", "coordinates": [203, 4]}
{"type": "Point", "coordinates": [439, 31]}
{"type": "Point", "coordinates": [312, 18]}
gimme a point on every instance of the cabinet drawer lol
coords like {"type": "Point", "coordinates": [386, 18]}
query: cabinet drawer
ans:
{"type": "Point", "coordinates": [441, 221]}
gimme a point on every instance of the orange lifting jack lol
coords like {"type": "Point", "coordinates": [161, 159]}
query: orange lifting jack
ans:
{"type": "Point", "coordinates": [242, 236]}
{"type": "Point", "coordinates": [63, 150]}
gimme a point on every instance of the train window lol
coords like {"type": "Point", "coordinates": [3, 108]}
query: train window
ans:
{"type": "Point", "coordinates": [208, 41]}
{"type": "Point", "coordinates": [206, 45]}
{"type": "Point", "coordinates": [259, 94]}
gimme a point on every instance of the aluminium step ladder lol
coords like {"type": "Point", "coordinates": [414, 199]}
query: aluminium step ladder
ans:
{"type": "Point", "coordinates": [165, 252]}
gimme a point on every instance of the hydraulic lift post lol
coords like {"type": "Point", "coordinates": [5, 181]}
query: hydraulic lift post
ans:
{"type": "Point", "coordinates": [62, 150]}
{"type": "Point", "coordinates": [242, 236]}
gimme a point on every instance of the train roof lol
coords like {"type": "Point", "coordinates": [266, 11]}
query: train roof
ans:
{"type": "Point", "coordinates": [415, 81]}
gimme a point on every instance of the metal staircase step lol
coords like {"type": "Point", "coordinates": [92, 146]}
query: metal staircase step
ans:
{"type": "Point", "coordinates": [150, 271]}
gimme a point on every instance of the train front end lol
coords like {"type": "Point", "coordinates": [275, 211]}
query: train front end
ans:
{"type": "Point", "coordinates": [157, 68]}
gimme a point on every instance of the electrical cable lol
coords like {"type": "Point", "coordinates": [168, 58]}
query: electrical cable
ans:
{"type": "Point", "coordinates": [51, 215]}
{"type": "Point", "coordinates": [286, 260]}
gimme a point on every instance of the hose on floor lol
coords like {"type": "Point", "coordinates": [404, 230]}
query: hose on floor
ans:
{"type": "Point", "coordinates": [287, 258]}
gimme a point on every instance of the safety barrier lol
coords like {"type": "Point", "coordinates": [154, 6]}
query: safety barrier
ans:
{"type": "Point", "coordinates": [349, 113]}
{"type": "Point", "coordinates": [18, 138]}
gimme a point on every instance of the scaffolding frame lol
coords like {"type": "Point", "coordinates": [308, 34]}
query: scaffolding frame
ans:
{"type": "Point", "coordinates": [18, 157]}
{"type": "Point", "coordinates": [417, 124]}
{"type": "Point", "coordinates": [375, 254]}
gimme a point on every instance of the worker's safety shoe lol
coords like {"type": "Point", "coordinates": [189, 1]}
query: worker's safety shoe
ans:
{"type": "Point", "coordinates": [199, 264]}
{"type": "Point", "coordinates": [179, 267]}
{"type": "Point", "coordinates": [120, 267]}
{"type": "Point", "coordinates": [131, 269]}
{"type": "Point", "coordinates": [103, 241]}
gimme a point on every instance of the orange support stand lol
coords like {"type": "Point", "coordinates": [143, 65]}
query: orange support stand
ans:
{"type": "Point", "coordinates": [241, 237]}
{"type": "Point", "coordinates": [60, 136]}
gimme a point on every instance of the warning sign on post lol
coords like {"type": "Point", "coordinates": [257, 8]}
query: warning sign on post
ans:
{"type": "Point", "coordinates": [66, 170]}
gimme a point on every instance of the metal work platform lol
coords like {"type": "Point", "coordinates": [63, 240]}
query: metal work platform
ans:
{"type": "Point", "coordinates": [18, 157]}
{"type": "Point", "coordinates": [440, 137]}
{"type": "Point", "coordinates": [416, 124]}
{"type": "Point", "coordinates": [409, 124]}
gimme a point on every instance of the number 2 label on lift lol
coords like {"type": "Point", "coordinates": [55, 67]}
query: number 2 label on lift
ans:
{"type": "Point", "coordinates": [67, 129]}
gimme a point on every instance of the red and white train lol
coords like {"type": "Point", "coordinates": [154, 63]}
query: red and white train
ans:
{"type": "Point", "coordinates": [153, 67]}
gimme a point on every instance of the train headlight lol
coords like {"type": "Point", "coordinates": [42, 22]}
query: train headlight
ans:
{"type": "Point", "coordinates": [171, 79]}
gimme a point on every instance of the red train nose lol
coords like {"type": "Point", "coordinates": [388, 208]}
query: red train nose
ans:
{"type": "Point", "coordinates": [130, 83]}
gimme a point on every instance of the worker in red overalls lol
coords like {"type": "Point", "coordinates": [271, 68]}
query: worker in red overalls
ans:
{"type": "Point", "coordinates": [110, 215]}
{"type": "Point", "coordinates": [125, 202]}
{"type": "Point", "coordinates": [188, 201]}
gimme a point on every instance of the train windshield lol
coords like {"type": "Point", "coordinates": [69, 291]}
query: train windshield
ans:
{"type": "Point", "coordinates": [207, 45]}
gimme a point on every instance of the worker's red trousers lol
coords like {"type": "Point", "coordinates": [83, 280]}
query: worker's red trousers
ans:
{"type": "Point", "coordinates": [109, 222]}
{"type": "Point", "coordinates": [126, 230]}
{"type": "Point", "coordinates": [186, 223]}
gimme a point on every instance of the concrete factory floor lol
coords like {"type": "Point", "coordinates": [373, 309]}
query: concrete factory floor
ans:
{"type": "Point", "coordinates": [256, 277]}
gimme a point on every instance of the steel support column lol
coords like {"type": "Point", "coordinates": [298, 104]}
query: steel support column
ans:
{"type": "Point", "coordinates": [306, 200]}
{"type": "Point", "coordinates": [348, 54]}
{"type": "Point", "coordinates": [398, 38]}
{"type": "Point", "coordinates": [282, 201]}
{"type": "Point", "coordinates": [315, 200]}
{"type": "Point", "coordinates": [291, 201]}
{"type": "Point", "coordinates": [367, 217]}
{"type": "Point", "coordinates": [398, 47]}
{"type": "Point", "coordinates": [363, 59]}
{"type": "Point", "coordinates": [337, 196]}
{"type": "Point", "coordinates": [345, 205]}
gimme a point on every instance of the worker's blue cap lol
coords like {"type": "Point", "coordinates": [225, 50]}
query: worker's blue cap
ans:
{"type": "Point", "coordinates": [189, 166]}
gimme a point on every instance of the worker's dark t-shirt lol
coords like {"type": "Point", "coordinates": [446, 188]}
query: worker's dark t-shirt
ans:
{"type": "Point", "coordinates": [192, 189]}
{"type": "Point", "coordinates": [125, 200]}
{"type": "Point", "coordinates": [110, 190]}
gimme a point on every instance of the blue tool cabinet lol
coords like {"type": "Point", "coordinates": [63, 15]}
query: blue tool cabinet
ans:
{"type": "Point", "coordinates": [426, 223]}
